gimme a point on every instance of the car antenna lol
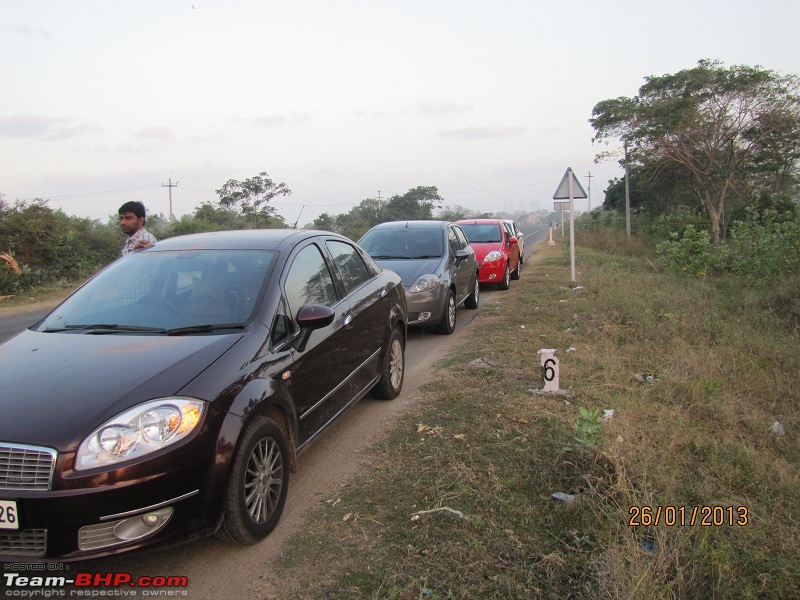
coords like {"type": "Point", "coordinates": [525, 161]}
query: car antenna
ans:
{"type": "Point", "coordinates": [298, 216]}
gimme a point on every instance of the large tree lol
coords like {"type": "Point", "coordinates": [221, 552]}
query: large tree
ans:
{"type": "Point", "coordinates": [728, 130]}
{"type": "Point", "coordinates": [251, 198]}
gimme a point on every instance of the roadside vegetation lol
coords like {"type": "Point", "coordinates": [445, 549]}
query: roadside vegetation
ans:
{"type": "Point", "coordinates": [701, 374]}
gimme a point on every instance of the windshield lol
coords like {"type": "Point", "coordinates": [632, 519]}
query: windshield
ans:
{"type": "Point", "coordinates": [168, 292]}
{"type": "Point", "coordinates": [478, 233]}
{"type": "Point", "coordinates": [406, 243]}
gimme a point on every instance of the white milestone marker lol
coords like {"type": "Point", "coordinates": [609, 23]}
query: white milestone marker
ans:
{"type": "Point", "coordinates": [550, 370]}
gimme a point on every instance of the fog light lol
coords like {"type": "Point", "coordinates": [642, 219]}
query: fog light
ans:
{"type": "Point", "coordinates": [424, 316]}
{"type": "Point", "coordinates": [492, 275]}
{"type": "Point", "coordinates": [113, 533]}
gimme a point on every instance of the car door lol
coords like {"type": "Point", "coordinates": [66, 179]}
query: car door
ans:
{"type": "Point", "coordinates": [463, 270]}
{"type": "Point", "coordinates": [512, 249]}
{"type": "Point", "coordinates": [321, 371]}
{"type": "Point", "coordinates": [369, 308]}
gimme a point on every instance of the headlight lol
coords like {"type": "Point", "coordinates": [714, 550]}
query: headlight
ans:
{"type": "Point", "coordinates": [139, 431]}
{"type": "Point", "coordinates": [493, 256]}
{"type": "Point", "coordinates": [425, 282]}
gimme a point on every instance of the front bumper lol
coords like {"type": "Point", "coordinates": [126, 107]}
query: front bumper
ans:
{"type": "Point", "coordinates": [492, 272]}
{"type": "Point", "coordinates": [425, 308]}
{"type": "Point", "coordinates": [175, 495]}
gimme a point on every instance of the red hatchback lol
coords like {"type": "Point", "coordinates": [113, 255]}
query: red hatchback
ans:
{"type": "Point", "coordinates": [495, 248]}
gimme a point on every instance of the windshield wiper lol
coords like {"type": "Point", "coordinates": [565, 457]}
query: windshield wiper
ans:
{"type": "Point", "coordinates": [105, 328]}
{"type": "Point", "coordinates": [385, 257]}
{"type": "Point", "coordinates": [207, 327]}
{"type": "Point", "coordinates": [425, 256]}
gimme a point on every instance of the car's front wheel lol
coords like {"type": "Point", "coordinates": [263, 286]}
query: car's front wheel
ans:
{"type": "Point", "coordinates": [392, 370]}
{"type": "Point", "coordinates": [258, 484]}
{"type": "Point", "coordinates": [448, 323]}
{"type": "Point", "coordinates": [506, 282]}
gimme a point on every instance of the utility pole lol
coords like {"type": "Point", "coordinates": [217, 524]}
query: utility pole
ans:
{"type": "Point", "coordinates": [170, 185]}
{"type": "Point", "coordinates": [589, 177]}
{"type": "Point", "coordinates": [379, 204]}
{"type": "Point", "coordinates": [627, 195]}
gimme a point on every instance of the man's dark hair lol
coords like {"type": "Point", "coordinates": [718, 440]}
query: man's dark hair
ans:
{"type": "Point", "coordinates": [134, 207]}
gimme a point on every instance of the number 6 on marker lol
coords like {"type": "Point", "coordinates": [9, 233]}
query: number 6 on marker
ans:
{"type": "Point", "coordinates": [550, 370]}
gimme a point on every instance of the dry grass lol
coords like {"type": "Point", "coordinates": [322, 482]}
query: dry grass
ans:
{"type": "Point", "coordinates": [725, 369]}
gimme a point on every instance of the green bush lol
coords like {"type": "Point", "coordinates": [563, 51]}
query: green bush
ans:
{"type": "Point", "coordinates": [766, 243]}
{"type": "Point", "coordinates": [690, 253]}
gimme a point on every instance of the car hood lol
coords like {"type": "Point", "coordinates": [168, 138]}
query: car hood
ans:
{"type": "Point", "coordinates": [56, 388]}
{"type": "Point", "coordinates": [410, 270]}
{"type": "Point", "coordinates": [482, 249]}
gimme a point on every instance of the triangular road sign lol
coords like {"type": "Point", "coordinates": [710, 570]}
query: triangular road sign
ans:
{"type": "Point", "coordinates": [562, 193]}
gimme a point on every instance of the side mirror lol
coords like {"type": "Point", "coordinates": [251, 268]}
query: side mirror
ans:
{"type": "Point", "coordinates": [461, 255]}
{"type": "Point", "coordinates": [310, 318]}
{"type": "Point", "coordinates": [512, 241]}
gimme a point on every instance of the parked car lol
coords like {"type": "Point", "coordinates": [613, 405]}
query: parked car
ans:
{"type": "Point", "coordinates": [516, 232]}
{"type": "Point", "coordinates": [169, 397]}
{"type": "Point", "coordinates": [437, 266]}
{"type": "Point", "coordinates": [496, 249]}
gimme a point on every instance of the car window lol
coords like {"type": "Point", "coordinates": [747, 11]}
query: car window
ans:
{"type": "Point", "coordinates": [350, 264]}
{"type": "Point", "coordinates": [462, 239]}
{"type": "Point", "coordinates": [309, 281]}
{"type": "Point", "coordinates": [452, 240]}
{"type": "Point", "coordinates": [282, 325]}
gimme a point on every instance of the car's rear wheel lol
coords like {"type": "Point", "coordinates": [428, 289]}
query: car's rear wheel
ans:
{"type": "Point", "coordinates": [258, 484]}
{"type": "Point", "coordinates": [392, 370]}
{"type": "Point", "coordinates": [448, 323]}
{"type": "Point", "coordinates": [474, 297]}
{"type": "Point", "coordinates": [506, 282]}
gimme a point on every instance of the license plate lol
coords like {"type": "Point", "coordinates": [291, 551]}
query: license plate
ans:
{"type": "Point", "coordinates": [9, 518]}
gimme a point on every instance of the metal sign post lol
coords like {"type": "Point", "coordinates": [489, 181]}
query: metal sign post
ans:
{"type": "Point", "coordinates": [567, 190]}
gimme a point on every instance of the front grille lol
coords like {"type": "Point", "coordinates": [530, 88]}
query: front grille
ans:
{"type": "Point", "coordinates": [26, 467]}
{"type": "Point", "coordinates": [28, 542]}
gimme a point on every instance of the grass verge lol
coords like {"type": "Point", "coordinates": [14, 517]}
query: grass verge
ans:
{"type": "Point", "coordinates": [458, 503]}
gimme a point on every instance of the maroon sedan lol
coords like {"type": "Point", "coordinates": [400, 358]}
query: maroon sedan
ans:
{"type": "Point", "coordinates": [169, 397]}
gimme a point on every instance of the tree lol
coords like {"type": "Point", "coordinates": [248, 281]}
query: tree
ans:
{"type": "Point", "coordinates": [721, 129]}
{"type": "Point", "coordinates": [251, 197]}
{"type": "Point", "coordinates": [453, 213]}
{"type": "Point", "coordinates": [416, 204]}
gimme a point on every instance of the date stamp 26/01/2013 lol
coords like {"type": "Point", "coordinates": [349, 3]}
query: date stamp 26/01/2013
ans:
{"type": "Point", "coordinates": [682, 516]}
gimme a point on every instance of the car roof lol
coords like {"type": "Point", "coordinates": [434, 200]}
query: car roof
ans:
{"type": "Point", "coordinates": [480, 221]}
{"type": "Point", "coordinates": [412, 225]}
{"type": "Point", "coordinates": [245, 239]}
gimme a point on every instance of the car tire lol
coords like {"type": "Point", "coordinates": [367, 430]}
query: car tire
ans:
{"type": "Point", "coordinates": [515, 272]}
{"type": "Point", "coordinates": [448, 323]}
{"type": "Point", "coordinates": [474, 297]}
{"type": "Point", "coordinates": [392, 370]}
{"type": "Point", "coordinates": [506, 283]}
{"type": "Point", "coordinates": [258, 483]}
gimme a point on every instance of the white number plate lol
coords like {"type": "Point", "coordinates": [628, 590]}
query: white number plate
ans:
{"type": "Point", "coordinates": [8, 515]}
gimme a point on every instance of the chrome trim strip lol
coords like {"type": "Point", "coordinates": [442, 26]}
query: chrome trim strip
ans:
{"type": "Point", "coordinates": [338, 387]}
{"type": "Point", "coordinates": [147, 508]}
{"type": "Point", "coordinates": [355, 399]}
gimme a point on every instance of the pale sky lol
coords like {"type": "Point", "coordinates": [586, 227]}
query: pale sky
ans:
{"type": "Point", "coordinates": [105, 101]}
